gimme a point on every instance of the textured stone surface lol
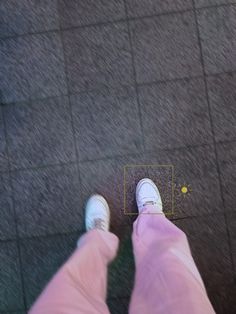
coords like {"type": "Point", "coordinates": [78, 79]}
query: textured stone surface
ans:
{"type": "Point", "coordinates": [150, 7]}
{"type": "Point", "coordinates": [118, 305]}
{"type": "Point", "coordinates": [47, 73]}
{"type": "Point", "coordinates": [7, 219]}
{"type": "Point", "coordinates": [215, 264]}
{"type": "Point", "coordinates": [175, 114]}
{"type": "Point", "coordinates": [121, 271]}
{"type": "Point", "coordinates": [102, 123]}
{"type": "Point", "coordinates": [165, 47]}
{"type": "Point", "coordinates": [231, 219]}
{"type": "Point", "coordinates": [14, 85]}
{"type": "Point", "coordinates": [222, 298]}
{"type": "Point", "coordinates": [21, 17]}
{"type": "Point", "coordinates": [41, 258]}
{"type": "Point", "coordinates": [11, 296]}
{"type": "Point", "coordinates": [218, 37]}
{"type": "Point", "coordinates": [18, 312]}
{"type": "Point", "coordinates": [3, 148]}
{"type": "Point", "coordinates": [98, 56]}
{"type": "Point", "coordinates": [76, 13]}
{"type": "Point", "coordinates": [205, 3]}
{"type": "Point", "coordinates": [227, 164]}
{"type": "Point", "coordinates": [39, 133]}
{"type": "Point", "coordinates": [47, 200]}
{"type": "Point", "coordinates": [222, 95]}
{"type": "Point", "coordinates": [31, 67]}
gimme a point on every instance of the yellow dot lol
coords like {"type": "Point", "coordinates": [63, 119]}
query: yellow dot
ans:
{"type": "Point", "coordinates": [184, 189]}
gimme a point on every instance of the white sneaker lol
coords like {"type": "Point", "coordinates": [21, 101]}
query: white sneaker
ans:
{"type": "Point", "coordinates": [147, 194]}
{"type": "Point", "coordinates": [97, 213]}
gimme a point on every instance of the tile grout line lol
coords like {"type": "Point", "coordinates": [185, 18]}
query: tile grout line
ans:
{"type": "Point", "coordinates": [5, 155]}
{"type": "Point", "coordinates": [68, 163]}
{"type": "Point", "coordinates": [147, 152]}
{"type": "Point", "coordinates": [70, 106]}
{"type": "Point", "coordinates": [214, 140]}
{"type": "Point", "coordinates": [17, 239]}
{"type": "Point", "coordinates": [150, 83]}
{"type": "Point", "coordinates": [122, 20]}
{"type": "Point", "coordinates": [229, 4]}
{"type": "Point", "coordinates": [48, 166]}
{"type": "Point", "coordinates": [78, 232]}
{"type": "Point", "coordinates": [170, 80]}
{"type": "Point", "coordinates": [134, 76]}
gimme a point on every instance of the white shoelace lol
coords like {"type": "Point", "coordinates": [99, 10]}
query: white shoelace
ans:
{"type": "Point", "coordinates": [98, 223]}
{"type": "Point", "coordinates": [149, 203]}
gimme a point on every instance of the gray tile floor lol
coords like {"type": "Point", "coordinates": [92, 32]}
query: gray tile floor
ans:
{"type": "Point", "coordinates": [88, 87]}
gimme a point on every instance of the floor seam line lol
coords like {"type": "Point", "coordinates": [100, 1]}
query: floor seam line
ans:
{"type": "Point", "coordinates": [214, 143]}
{"type": "Point", "coordinates": [17, 239]}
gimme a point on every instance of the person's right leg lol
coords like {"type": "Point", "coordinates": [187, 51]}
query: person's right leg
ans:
{"type": "Point", "coordinates": [167, 279]}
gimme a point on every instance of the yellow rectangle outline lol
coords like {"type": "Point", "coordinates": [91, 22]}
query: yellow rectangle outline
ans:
{"type": "Point", "coordinates": [169, 213]}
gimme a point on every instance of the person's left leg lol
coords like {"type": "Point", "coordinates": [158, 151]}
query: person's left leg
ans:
{"type": "Point", "coordinates": [80, 285]}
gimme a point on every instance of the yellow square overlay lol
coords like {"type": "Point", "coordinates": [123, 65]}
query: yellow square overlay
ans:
{"type": "Point", "coordinates": [169, 213]}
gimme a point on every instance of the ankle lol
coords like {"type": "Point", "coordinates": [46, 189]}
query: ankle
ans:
{"type": "Point", "coordinates": [151, 209]}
